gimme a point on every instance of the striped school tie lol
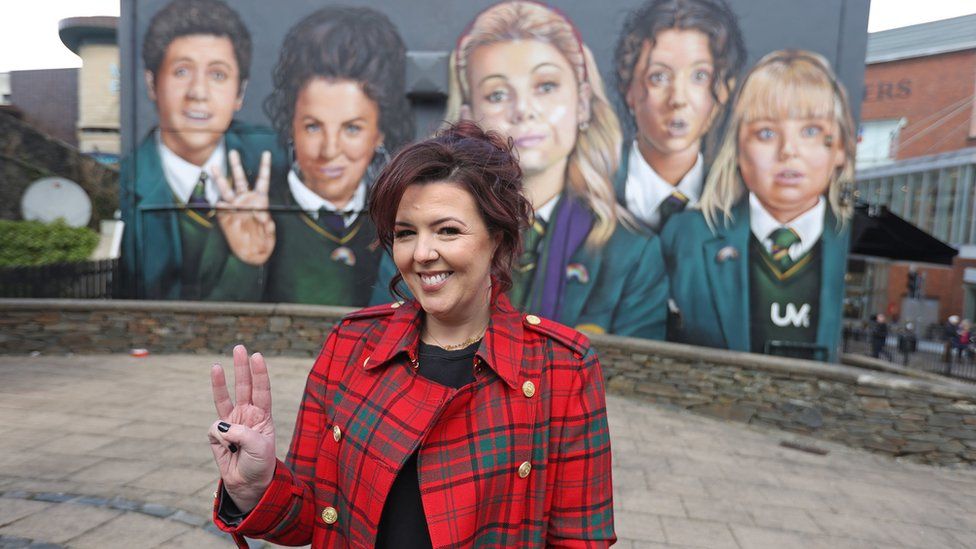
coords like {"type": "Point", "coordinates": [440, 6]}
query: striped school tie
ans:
{"type": "Point", "coordinates": [782, 239]}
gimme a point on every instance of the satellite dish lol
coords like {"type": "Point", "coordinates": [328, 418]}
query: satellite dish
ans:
{"type": "Point", "coordinates": [51, 198]}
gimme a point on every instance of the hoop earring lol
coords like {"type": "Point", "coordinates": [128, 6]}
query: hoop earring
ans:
{"type": "Point", "coordinates": [293, 160]}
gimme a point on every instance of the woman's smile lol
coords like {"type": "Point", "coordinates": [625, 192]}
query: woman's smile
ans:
{"type": "Point", "coordinates": [433, 281]}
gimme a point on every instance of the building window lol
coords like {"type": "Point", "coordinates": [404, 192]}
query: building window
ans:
{"type": "Point", "coordinates": [877, 141]}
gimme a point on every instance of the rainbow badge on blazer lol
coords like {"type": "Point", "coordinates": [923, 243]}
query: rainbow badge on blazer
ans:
{"type": "Point", "coordinates": [578, 272]}
{"type": "Point", "coordinates": [344, 255]}
{"type": "Point", "coordinates": [728, 253]}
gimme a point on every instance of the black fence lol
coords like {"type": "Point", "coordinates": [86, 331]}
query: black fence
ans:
{"type": "Point", "coordinates": [82, 280]}
{"type": "Point", "coordinates": [930, 355]}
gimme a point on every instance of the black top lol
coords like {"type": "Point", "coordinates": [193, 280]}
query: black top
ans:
{"type": "Point", "coordinates": [403, 524]}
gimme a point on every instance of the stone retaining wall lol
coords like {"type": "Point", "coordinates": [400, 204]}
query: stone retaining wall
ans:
{"type": "Point", "coordinates": [924, 420]}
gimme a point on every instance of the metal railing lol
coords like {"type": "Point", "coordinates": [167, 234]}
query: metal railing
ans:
{"type": "Point", "coordinates": [929, 356]}
{"type": "Point", "coordinates": [81, 280]}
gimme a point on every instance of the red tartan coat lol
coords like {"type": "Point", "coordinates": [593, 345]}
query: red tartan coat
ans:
{"type": "Point", "coordinates": [519, 458]}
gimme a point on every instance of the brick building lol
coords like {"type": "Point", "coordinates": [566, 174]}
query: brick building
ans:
{"type": "Point", "coordinates": [917, 156]}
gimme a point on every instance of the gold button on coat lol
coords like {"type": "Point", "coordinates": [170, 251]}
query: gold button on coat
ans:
{"type": "Point", "coordinates": [524, 469]}
{"type": "Point", "coordinates": [533, 320]}
{"type": "Point", "coordinates": [336, 433]}
{"type": "Point", "coordinates": [528, 389]}
{"type": "Point", "coordinates": [330, 515]}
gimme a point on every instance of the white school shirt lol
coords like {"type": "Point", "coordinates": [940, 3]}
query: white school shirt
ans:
{"type": "Point", "coordinates": [645, 190]}
{"type": "Point", "coordinates": [182, 176]}
{"type": "Point", "coordinates": [808, 225]}
{"type": "Point", "coordinates": [311, 202]}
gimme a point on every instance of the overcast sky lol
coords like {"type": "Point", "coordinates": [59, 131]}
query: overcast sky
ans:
{"type": "Point", "coordinates": [29, 28]}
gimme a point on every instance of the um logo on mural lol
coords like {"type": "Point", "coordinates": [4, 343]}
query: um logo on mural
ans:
{"type": "Point", "coordinates": [792, 316]}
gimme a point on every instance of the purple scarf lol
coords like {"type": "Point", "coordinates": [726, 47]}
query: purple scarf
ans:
{"type": "Point", "coordinates": [569, 228]}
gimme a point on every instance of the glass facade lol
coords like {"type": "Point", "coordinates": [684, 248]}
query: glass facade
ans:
{"type": "Point", "coordinates": [936, 193]}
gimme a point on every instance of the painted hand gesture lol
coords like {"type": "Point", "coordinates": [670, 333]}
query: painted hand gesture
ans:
{"type": "Point", "coordinates": [243, 213]}
{"type": "Point", "coordinates": [243, 439]}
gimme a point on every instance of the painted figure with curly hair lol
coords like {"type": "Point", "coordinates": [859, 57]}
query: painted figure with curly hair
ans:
{"type": "Point", "coordinates": [676, 64]}
{"type": "Point", "coordinates": [760, 266]}
{"type": "Point", "coordinates": [338, 105]}
{"type": "Point", "coordinates": [522, 69]}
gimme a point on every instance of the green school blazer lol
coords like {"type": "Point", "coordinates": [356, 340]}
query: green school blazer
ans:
{"type": "Point", "coordinates": [709, 278]}
{"type": "Point", "coordinates": [620, 182]}
{"type": "Point", "coordinates": [313, 265]}
{"type": "Point", "coordinates": [152, 257]}
{"type": "Point", "coordinates": [620, 288]}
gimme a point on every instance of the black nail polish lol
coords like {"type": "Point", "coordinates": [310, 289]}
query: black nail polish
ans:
{"type": "Point", "coordinates": [232, 447]}
{"type": "Point", "coordinates": [223, 426]}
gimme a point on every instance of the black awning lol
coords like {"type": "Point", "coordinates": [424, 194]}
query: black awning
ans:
{"type": "Point", "coordinates": [879, 233]}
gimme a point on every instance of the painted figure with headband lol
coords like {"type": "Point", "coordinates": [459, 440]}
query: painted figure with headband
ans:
{"type": "Point", "coordinates": [521, 69]}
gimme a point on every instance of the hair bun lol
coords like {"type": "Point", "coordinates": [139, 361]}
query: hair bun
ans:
{"type": "Point", "coordinates": [466, 129]}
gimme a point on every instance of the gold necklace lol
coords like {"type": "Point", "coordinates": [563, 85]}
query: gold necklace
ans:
{"type": "Point", "coordinates": [461, 345]}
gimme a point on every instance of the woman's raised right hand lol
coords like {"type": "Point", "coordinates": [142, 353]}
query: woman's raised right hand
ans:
{"type": "Point", "coordinates": [243, 439]}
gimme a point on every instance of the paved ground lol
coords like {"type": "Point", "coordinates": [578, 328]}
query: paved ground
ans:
{"type": "Point", "coordinates": [111, 451]}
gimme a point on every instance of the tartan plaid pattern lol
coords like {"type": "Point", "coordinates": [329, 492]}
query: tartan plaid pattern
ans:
{"type": "Point", "coordinates": [472, 440]}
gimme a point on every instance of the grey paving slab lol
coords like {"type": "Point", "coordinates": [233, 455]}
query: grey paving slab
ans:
{"type": "Point", "coordinates": [182, 480]}
{"type": "Point", "coordinates": [117, 472]}
{"type": "Point", "coordinates": [60, 523]}
{"type": "Point", "coordinates": [12, 510]}
{"type": "Point", "coordinates": [112, 471]}
{"type": "Point", "coordinates": [196, 539]}
{"type": "Point", "coordinates": [130, 531]}
{"type": "Point", "coordinates": [711, 509]}
{"type": "Point", "coordinates": [698, 533]}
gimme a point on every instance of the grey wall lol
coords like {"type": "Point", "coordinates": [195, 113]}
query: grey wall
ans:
{"type": "Point", "coordinates": [49, 100]}
{"type": "Point", "coordinates": [835, 28]}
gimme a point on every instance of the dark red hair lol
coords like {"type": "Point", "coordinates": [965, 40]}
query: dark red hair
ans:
{"type": "Point", "coordinates": [484, 164]}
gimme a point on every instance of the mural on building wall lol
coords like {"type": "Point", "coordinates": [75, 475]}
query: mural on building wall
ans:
{"type": "Point", "coordinates": [186, 237]}
{"type": "Point", "coordinates": [759, 266]}
{"type": "Point", "coordinates": [338, 105]}
{"type": "Point", "coordinates": [676, 233]}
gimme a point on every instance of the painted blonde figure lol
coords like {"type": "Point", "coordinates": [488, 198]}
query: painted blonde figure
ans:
{"type": "Point", "coordinates": [521, 69]}
{"type": "Point", "coordinates": [760, 266]}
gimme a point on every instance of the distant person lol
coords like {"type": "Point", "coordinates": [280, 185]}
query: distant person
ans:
{"type": "Point", "coordinates": [962, 343]}
{"type": "Point", "coordinates": [185, 237]}
{"type": "Point", "coordinates": [949, 330]}
{"type": "Point", "coordinates": [879, 335]}
{"type": "Point", "coordinates": [907, 342]}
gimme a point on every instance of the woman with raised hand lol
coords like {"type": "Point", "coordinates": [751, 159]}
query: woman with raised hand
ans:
{"type": "Point", "coordinates": [448, 420]}
{"type": "Point", "coordinates": [338, 105]}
